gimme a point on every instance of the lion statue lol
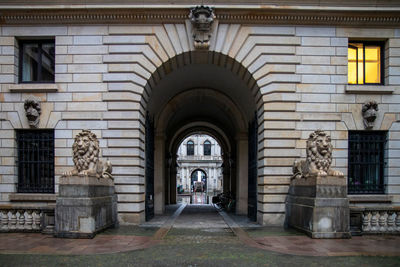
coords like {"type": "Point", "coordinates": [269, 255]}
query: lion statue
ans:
{"type": "Point", "coordinates": [369, 112]}
{"type": "Point", "coordinates": [86, 157]}
{"type": "Point", "coordinates": [32, 111]}
{"type": "Point", "coordinates": [319, 157]}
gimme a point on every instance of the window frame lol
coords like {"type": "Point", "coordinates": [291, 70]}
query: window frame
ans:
{"type": "Point", "coordinates": [191, 143]}
{"type": "Point", "coordinates": [381, 44]}
{"type": "Point", "coordinates": [362, 189]}
{"type": "Point", "coordinates": [40, 42]}
{"type": "Point", "coordinates": [208, 143]}
{"type": "Point", "coordinates": [36, 183]}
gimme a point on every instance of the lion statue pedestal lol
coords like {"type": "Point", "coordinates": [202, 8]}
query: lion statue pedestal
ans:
{"type": "Point", "coordinates": [317, 203]}
{"type": "Point", "coordinates": [86, 203]}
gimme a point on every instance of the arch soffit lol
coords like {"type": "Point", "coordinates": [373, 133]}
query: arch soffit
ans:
{"type": "Point", "coordinates": [179, 100]}
{"type": "Point", "coordinates": [176, 59]}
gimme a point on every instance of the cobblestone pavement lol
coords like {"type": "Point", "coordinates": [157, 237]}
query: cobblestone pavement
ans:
{"type": "Point", "coordinates": [210, 241]}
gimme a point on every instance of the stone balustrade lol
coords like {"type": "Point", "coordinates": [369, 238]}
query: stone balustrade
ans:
{"type": "Point", "coordinates": [381, 221]}
{"type": "Point", "coordinates": [21, 219]}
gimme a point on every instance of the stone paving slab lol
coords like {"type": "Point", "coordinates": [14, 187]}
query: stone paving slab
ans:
{"type": "Point", "coordinates": [295, 243]}
{"type": "Point", "coordinates": [356, 246]}
{"type": "Point", "coordinates": [200, 216]}
{"type": "Point", "coordinates": [32, 243]}
{"type": "Point", "coordinates": [200, 224]}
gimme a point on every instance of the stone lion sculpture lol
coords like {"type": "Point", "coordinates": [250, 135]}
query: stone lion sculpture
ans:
{"type": "Point", "coordinates": [369, 112]}
{"type": "Point", "coordinates": [32, 111]}
{"type": "Point", "coordinates": [319, 157]}
{"type": "Point", "coordinates": [86, 157]}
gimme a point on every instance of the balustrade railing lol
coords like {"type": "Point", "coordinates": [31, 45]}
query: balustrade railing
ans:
{"type": "Point", "coordinates": [22, 219]}
{"type": "Point", "coordinates": [378, 220]}
{"type": "Point", "coordinates": [381, 221]}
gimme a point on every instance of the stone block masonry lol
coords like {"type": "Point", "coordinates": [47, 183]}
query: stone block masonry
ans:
{"type": "Point", "coordinates": [84, 207]}
{"type": "Point", "coordinates": [104, 76]}
{"type": "Point", "coordinates": [319, 207]}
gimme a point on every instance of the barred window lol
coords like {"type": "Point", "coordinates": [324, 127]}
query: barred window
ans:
{"type": "Point", "coordinates": [366, 162]}
{"type": "Point", "coordinates": [190, 148]}
{"type": "Point", "coordinates": [207, 148]}
{"type": "Point", "coordinates": [35, 161]}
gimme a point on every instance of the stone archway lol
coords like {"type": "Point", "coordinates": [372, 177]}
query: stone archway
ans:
{"type": "Point", "coordinates": [143, 59]}
{"type": "Point", "coordinates": [194, 177]}
{"type": "Point", "coordinates": [206, 97]}
{"type": "Point", "coordinates": [199, 127]}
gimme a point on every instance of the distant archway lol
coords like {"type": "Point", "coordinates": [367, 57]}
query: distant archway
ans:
{"type": "Point", "coordinates": [198, 180]}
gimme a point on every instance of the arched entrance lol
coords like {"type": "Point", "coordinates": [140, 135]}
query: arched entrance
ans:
{"type": "Point", "coordinates": [209, 93]}
{"type": "Point", "coordinates": [198, 180]}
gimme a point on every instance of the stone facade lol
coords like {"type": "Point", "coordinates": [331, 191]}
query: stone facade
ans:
{"type": "Point", "coordinates": [292, 66]}
{"type": "Point", "coordinates": [209, 164]}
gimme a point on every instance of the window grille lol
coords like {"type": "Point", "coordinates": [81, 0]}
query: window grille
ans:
{"type": "Point", "coordinates": [207, 148]}
{"type": "Point", "coordinates": [190, 148]}
{"type": "Point", "coordinates": [35, 161]}
{"type": "Point", "coordinates": [366, 162]}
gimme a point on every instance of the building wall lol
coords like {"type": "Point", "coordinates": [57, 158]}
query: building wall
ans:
{"type": "Point", "coordinates": [210, 164]}
{"type": "Point", "coordinates": [103, 80]}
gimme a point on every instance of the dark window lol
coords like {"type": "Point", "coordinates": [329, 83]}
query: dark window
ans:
{"type": "Point", "coordinates": [36, 61]}
{"type": "Point", "coordinates": [35, 161]}
{"type": "Point", "coordinates": [365, 62]}
{"type": "Point", "coordinates": [190, 148]}
{"type": "Point", "coordinates": [207, 148]}
{"type": "Point", "coordinates": [366, 162]}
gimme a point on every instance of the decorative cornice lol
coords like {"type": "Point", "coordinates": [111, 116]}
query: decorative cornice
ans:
{"type": "Point", "coordinates": [299, 17]}
{"type": "Point", "coordinates": [248, 16]}
{"type": "Point", "coordinates": [92, 16]}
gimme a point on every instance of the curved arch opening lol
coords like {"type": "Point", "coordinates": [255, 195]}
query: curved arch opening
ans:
{"type": "Point", "coordinates": [207, 93]}
{"type": "Point", "coordinates": [198, 180]}
{"type": "Point", "coordinates": [198, 177]}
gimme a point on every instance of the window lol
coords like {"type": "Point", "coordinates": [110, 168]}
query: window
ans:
{"type": "Point", "coordinates": [36, 61]}
{"type": "Point", "coordinates": [366, 162]}
{"type": "Point", "coordinates": [35, 161]}
{"type": "Point", "coordinates": [365, 64]}
{"type": "Point", "coordinates": [207, 148]}
{"type": "Point", "coordinates": [190, 148]}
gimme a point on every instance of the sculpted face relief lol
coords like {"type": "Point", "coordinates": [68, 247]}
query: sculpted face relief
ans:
{"type": "Point", "coordinates": [323, 145]}
{"type": "Point", "coordinates": [369, 112]}
{"type": "Point", "coordinates": [32, 112]}
{"type": "Point", "coordinates": [82, 145]}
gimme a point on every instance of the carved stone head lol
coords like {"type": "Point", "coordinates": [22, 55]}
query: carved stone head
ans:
{"type": "Point", "coordinates": [32, 112]}
{"type": "Point", "coordinates": [369, 112]}
{"type": "Point", "coordinates": [85, 150]}
{"type": "Point", "coordinates": [202, 18]}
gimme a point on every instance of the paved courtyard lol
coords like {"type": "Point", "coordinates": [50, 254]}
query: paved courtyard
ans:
{"type": "Point", "coordinates": [197, 235]}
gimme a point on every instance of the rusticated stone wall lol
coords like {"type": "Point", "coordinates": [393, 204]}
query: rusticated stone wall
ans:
{"type": "Point", "coordinates": [105, 73]}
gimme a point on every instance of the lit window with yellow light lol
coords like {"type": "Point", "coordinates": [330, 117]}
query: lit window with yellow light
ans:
{"type": "Point", "coordinates": [364, 63]}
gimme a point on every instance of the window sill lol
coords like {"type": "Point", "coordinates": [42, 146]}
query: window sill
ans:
{"type": "Point", "coordinates": [26, 197]}
{"type": "Point", "coordinates": [370, 89]}
{"type": "Point", "coordinates": [376, 199]}
{"type": "Point", "coordinates": [33, 87]}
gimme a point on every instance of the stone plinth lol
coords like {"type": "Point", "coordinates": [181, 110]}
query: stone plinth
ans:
{"type": "Point", "coordinates": [85, 206]}
{"type": "Point", "coordinates": [319, 207]}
